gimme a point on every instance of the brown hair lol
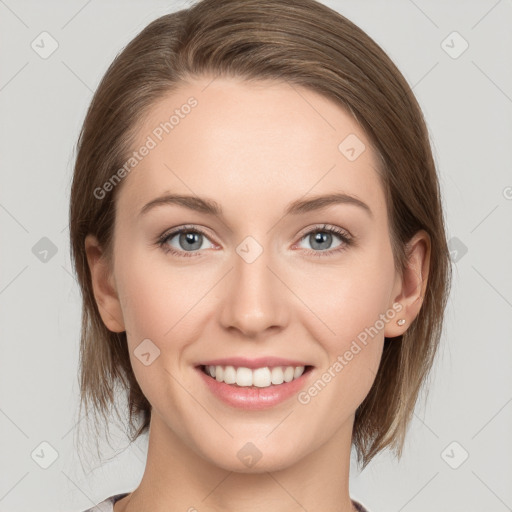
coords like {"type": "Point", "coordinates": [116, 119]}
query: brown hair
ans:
{"type": "Point", "coordinates": [301, 42]}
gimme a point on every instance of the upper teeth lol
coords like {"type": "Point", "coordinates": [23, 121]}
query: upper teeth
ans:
{"type": "Point", "coordinates": [260, 377]}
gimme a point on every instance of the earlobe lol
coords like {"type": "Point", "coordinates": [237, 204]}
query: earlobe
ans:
{"type": "Point", "coordinates": [104, 289]}
{"type": "Point", "coordinates": [413, 284]}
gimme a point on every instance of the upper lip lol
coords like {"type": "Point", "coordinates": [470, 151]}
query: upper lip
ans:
{"type": "Point", "coordinates": [259, 362]}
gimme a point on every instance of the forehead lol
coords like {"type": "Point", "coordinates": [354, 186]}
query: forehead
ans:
{"type": "Point", "coordinates": [254, 144]}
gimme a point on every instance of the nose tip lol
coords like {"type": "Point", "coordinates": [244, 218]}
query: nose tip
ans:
{"type": "Point", "coordinates": [253, 296]}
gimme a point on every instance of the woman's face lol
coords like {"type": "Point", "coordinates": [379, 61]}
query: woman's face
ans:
{"type": "Point", "coordinates": [256, 281]}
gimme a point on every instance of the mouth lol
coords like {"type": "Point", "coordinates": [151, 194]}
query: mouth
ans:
{"type": "Point", "coordinates": [262, 377]}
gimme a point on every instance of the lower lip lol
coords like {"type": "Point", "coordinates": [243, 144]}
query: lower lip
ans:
{"type": "Point", "coordinates": [254, 398]}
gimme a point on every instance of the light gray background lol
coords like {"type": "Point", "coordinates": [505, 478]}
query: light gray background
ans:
{"type": "Point", "coordinates": [467, 102]}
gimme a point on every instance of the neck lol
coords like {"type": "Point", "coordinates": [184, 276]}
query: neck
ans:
{"type": "Point", "coordinates": [176, 478]}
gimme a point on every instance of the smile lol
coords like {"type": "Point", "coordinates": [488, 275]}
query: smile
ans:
{"type": "Point", "coordinates": [256, 388]}
{"type": "Point", "coordinates": [258, 377]}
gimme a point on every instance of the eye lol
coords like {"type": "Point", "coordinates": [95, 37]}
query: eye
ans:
{"type": "Point", "coordinates": [320, 240]}
{"type": "Point", "coordinates": [189, 241]}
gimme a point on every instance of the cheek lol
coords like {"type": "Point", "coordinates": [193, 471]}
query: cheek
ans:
{"type": "Point", "coordinates": [145, 306]}
{"type": "Point", "coordinates": [149, 300]}
{"type": "Point", "coordinates": [349, 337]}
{"type": "Point", "coordinates": [162, 300]}
{"type": "Point", "coordinates": [350, 333]}
{"type": "Point", "coordinates": [151, 307]}
{"type": "Point", "coordinates": [349, 298]}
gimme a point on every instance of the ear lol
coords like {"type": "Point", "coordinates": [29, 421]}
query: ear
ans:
{"type": "Point", "coordinates": [410, 289]}
{"type": "Point", "coordinates": [103, 285]}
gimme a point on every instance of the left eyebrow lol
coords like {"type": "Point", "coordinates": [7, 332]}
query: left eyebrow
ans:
{"type": "Point", "coordinates": [300, 206]}
{"type": "Point", "coordinates": [320, 202]}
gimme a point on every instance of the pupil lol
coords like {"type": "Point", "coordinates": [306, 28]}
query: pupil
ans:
{"type": "Point", "coordinates": [320, 238]}
{"type": "Point", "coordinates": [191, 239]}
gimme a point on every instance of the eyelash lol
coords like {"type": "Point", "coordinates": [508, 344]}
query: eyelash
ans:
{"type": "Point", "coordinates": [347, 240]}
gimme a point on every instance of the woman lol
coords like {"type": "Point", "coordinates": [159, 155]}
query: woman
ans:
{"type": "Point", "coordinates": [257, 230]}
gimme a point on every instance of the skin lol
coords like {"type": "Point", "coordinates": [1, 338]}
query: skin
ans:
{"type": "Point", "coordinates": [253, 148]}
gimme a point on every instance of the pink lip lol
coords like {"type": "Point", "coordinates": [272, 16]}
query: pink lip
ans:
{"type": "Point", "coordinates": [254, 398]}
{"type": "Point", "coordinates": [259, 362]}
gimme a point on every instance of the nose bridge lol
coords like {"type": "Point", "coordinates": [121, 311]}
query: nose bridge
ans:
{"type": "Point", "coordinates": [254, 297]}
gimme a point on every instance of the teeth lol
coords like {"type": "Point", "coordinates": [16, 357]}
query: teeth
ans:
{"type": "Point", "coordinates": [260, 377]}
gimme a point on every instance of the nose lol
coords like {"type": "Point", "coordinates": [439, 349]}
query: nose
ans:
{"type": "Point", "coordinates": [254, 297]}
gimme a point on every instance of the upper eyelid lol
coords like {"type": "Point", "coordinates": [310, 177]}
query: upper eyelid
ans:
{"type": "Point", "coordinates": [325, 227]}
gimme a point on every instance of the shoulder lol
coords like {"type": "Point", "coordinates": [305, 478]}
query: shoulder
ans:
{"type": "Point", "coordinates": [107, 505]}
{"type": "Point", "coordinates": [359, 506]}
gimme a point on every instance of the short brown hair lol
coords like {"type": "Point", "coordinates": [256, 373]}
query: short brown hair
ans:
{"type": "Point", "coordinates": [301, 42]}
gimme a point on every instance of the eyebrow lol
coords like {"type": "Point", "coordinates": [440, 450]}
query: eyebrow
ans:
{"type": "Point", "coordinates": [300, 206]}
